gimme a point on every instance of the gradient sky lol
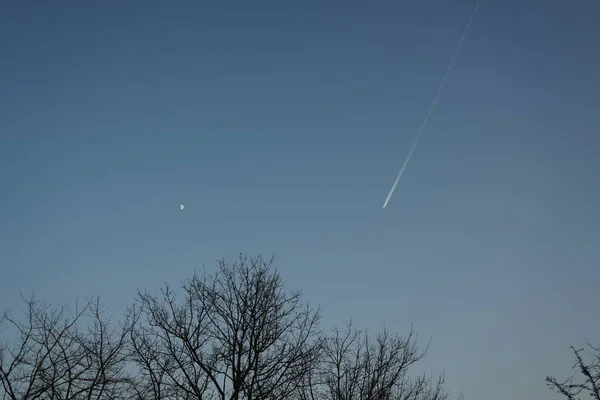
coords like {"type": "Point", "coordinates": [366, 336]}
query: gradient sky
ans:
{"type": "Point", "coordinates": [281, 126]}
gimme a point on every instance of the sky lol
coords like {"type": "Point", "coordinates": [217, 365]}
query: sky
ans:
{"type": "Point", "coordinates": [281, 126]}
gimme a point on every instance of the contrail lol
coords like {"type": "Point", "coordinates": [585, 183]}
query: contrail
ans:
{"type": "Point", "coordinates": [435, 99]}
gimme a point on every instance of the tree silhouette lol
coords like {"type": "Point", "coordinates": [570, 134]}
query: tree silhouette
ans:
{"type": "Point", "coordinates": [53, 358]}
{"type": "Point", "coordinates": [234, 334]}
{"type": "Point", "coordinates": [355, 366]}
{"type": "Point", "coordinates": [588, 383]}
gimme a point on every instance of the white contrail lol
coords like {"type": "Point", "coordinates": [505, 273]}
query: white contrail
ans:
{"type": "Point", "coordinates": [435, 99]}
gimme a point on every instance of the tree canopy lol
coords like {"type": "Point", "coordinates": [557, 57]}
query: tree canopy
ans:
{"type": "Point", "coordinates": [237, 333]}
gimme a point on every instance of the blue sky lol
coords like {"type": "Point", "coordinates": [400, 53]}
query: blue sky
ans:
{"type": "Point", "coordinates": [281, 126]}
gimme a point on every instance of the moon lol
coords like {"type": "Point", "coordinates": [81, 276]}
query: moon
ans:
{"type": "Point", "coordinates": [181, 207]}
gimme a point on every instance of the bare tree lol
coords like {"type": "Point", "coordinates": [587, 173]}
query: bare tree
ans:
{"type": "Point", "coordinates": [357, 367]}
{"type": "Point", "coordinates": [54, 358]}
{"type": "Point", "coordinates": [589, 383]}
{"type": "Point", "coordinates": [235, 334]}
